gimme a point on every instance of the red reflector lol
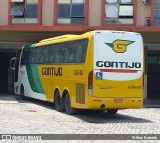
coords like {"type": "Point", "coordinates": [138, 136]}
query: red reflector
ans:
{"type": "Point", "coordinates": [136, 100]}
{"type": "Point", "coordinates": [118, 70]}
{"type": "Point", "coordinates": [90, 80]}
{"type": "Point", "coordinates": [98, 100]}
{"type": "Point", "coordinates": [118, 100]}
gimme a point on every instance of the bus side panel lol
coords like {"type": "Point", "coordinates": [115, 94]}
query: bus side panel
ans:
{"type": "Point", "coordinates": [72, 77]}
{"type": "Point", "coordinates": [29, 78]}
{"type": "Point", "coordinates": [33, 75]}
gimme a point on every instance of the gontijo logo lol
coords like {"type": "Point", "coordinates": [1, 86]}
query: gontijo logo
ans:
{"type": "Point", "coordinates": [119, 46]}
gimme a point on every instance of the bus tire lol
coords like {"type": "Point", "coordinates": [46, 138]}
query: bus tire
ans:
{"type": "Point", "coordinates": [68, 108]}
{"type": "Point", "coordinates": [22, 93]}
{"type": "Point", "coordinates": [59, 102]}
{"type": "Point", "coordinates": [112, 111]}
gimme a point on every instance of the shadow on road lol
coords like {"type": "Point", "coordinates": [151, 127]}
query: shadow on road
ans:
{"type": "Point", "coordinates": [91, 116]}
{"type": "Point", "coordinates": [103, 117]}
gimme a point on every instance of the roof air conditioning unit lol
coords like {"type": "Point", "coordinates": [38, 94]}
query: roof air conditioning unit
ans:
{"type": "Point", "coordinates": [147, 1]}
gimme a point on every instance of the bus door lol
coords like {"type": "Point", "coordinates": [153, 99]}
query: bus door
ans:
{"type": "Point", "coordinates": [153, 75]}
{"type": "Point", "coordinates": [14, 64]}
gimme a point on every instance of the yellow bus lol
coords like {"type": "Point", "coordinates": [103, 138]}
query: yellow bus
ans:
{"type": "Point", "coordinates": [99, 70]}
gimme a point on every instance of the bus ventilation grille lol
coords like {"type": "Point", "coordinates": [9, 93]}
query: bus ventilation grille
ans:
{"type": "Point", "coordinates": [80, 93]}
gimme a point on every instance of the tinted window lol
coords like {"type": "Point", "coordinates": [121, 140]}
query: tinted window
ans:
{"type": "Point", "coordinates": [49, 54]}
{"type": "Point", "coordinates": [24, 59]}
{"type": "Point", "coordinates": [70, 9]}
{"type": "Point", "coordinates": [40, 55]}
{"type": "Point", "coordinates": [68, 52]}
{"type": "Point", "coordinates": [77, 11]}
{"type": "Point", "coordinates": [31, 10]}
{"type": "Point", "coordinates": [63, 10]}
{"type": "Point", "coordinates": [77, 20]}
{"type": "Point", "coordinates": [17, 11]}
{"type": "Point", "coordinates": [24, 12]}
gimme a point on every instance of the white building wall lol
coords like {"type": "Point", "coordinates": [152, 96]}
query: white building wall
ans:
{"type": "Point", "coordinates": [47, 12]}
{"type": "Point", "coordinates": [3, 12]}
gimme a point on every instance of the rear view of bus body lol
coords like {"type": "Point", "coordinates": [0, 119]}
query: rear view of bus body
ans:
{"type": "Point", "coordinates": [117, 70]}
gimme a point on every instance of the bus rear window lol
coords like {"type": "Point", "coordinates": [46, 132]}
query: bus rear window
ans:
{"type": "Point", "coordinates": [118, 45]}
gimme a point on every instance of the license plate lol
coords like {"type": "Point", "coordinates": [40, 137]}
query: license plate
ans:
{"type": "Point", "coordinates": [118, 100]}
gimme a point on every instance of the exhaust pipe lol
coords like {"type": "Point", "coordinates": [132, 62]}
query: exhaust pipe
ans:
{"type": "Point", "coordinates": [102, 106]}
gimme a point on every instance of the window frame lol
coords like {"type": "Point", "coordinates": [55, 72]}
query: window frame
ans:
{"type": "Point", "coordinates": [39, 15]}
{"type": "Point", "coordinates": [153, 11]}
{"type": "Point", "coordinates": [86, 12]}
{"type": "Point", "coordinates": [119, 24]}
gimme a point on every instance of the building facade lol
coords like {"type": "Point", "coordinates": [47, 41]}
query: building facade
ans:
{"type": "Point", "coordinates": [79, 15]}
{"type": "Point", "coordinates": [27, 21]}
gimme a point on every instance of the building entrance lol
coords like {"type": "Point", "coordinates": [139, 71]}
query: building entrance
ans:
{"type": "Point", "coordinates": [153, 75]}
{"type": "Point", "coordinates": [7, 51]}
{"type": "Point", "coordinates": [4, 65]}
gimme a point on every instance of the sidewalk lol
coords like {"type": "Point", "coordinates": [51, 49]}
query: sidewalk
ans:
{"type": "Point", "coordinates": [151, 103]}
{"type": "Point", "coordinates": [8, 98]}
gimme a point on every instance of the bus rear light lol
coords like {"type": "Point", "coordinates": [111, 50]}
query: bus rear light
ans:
{"type": "Point", "coordinates": [98, 100]}
{"type": "Point", "coordinates": [118, 100]}
{"type": "Point", "coordinates": [118, 70]}
{"type": "Point", "coordinates": [143, 80]}
{"type": "Point", "coordinates": [90, 82]}
{"type": "Point", "coordinates": [136, 100]}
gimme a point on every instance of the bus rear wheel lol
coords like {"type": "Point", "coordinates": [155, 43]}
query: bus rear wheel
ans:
{"type": "Point", "coordinates": [59, 102]}
{"type": "Point", "coordinates": [112, 111]}
{"type": "Point", "coordinates": [68, 108]}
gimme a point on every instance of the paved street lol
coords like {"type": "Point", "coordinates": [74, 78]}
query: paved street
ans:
{"type": "Point", "coordinates": [37, 117]}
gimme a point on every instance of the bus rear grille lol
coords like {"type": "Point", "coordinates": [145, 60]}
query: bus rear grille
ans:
{"type": "Point", "coordinates": [80, 93]}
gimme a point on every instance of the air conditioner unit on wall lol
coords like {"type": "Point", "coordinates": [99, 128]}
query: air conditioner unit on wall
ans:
{"type": "Point", "coordinates": [147, 1]}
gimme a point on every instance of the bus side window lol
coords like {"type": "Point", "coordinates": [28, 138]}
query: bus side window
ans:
{"type": "Point", "coordinates": [47, 55]}
{"type": "Point", "coordinates": [78, 57]}
{"type": "Point", "coordinates": [59, 54]}
{"type": "Point", "coordinates": [71, 58]}
{"type": "Point", "coordinates": [36, 52]}
{"type": "Point", "coordinates": [52, 59]}
{"type": "Point", "coordinates": [59, 58]}
{"type": "Point", "coordinates": [40, 55]}
{"type": "Point", "coordinates": [24, 59]}
{"type": "Point", "coordinates": [66, 56]}
{"type": "Point", "coordinates": [72, 53]}
{"type": "Point", "coordinates": [50, 55]}
{"type": "Point", "coordinates": [41, 60]}
{"type": "Point", "coordinates": [32, 56]}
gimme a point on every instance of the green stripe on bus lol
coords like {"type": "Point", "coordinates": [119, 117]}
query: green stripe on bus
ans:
{"type": "Point", "coordinates": [34, 79]}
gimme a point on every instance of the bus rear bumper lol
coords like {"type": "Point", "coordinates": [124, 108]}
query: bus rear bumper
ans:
{"type": "Point", "coordinates": [115, 103]}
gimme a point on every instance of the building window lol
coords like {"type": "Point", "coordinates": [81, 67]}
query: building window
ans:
{"type": "Point", "coordinates": [70, 11]}
{"type": "Point", "coordinates": [156, 11]}
{"type": "Point", "coordinates": [118, 12]}
{"type": "Point", "coordinates": [24, 11]}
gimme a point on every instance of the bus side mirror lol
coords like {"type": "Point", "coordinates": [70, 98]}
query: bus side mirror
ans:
{"type": "Point", "coordinates": [12, 63]}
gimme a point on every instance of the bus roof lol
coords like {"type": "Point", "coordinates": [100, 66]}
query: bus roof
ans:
{"type": "Point", "coordinates": [72, 36]}
{"type": "Point", "coordinates": [58, 37]}
{"type": "Point", "coordinates": [114, 31]}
